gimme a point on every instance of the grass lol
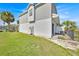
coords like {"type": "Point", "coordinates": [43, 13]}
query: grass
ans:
{"type": "Point", "coordinates": [19, 44]}
{"type": "Point", "coordinates": [76, 36]}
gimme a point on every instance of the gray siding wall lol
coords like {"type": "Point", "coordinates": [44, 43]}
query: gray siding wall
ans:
{"type": "Point", "coordinates": [43, 24]}
{"type": "Point", "coordinates": [23, 18]}
{"type": "Point", "coordinates": [24, 28]}
{"type": "Point", "coordinates": [43, 28]}
{"type": "Point", "coordinates": [43, 12]}
{"type": "Point", "coordinates": [23, 24]}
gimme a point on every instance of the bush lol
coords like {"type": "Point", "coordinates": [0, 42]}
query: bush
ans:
{"type": "Point", "coordinates": [64, 37]}
{"type": "Point", "coordinates": [61, 37]}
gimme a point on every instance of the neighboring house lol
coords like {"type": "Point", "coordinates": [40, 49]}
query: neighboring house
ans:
{"type": "Point", "coordinates": [40, 19]}
{"type": "Point", "coordinates": [1, 25]}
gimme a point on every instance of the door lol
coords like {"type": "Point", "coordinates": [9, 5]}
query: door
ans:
{"type": "Point", "coordinates": [52, 29]}
{"type": "Point", "coordinates": [31, 29]}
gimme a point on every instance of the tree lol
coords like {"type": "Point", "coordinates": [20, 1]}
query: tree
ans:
{"type": "Point", "coordinates": [69, 25]}
{"type": "Point", "coordinates": [7, 17]}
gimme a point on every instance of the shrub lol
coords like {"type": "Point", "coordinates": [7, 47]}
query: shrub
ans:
{"type": "Point", "coordinates": [64, 37]}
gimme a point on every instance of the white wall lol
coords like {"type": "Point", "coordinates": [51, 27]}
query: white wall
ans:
{"type": "Point", "coordinates": [43, 28]}
{"type": "Point", "coordinates": [24, 28]}
{"type": "Point", "coordinates": [23, 19]}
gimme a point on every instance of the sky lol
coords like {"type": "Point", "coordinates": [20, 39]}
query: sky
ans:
{"type": "Point", "coordinates": [15, 8]}
{"type": "Point", "coordinates": [66, 11]}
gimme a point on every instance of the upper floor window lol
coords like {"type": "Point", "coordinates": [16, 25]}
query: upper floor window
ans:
{"type": "Point", "coordinates": [30, 12]}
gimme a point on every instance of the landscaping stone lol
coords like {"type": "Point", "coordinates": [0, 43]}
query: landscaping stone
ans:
{"type": "Point", "coordinates": [68, 44]}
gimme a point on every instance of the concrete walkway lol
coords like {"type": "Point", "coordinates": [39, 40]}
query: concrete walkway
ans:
{"type": "Point", "coordinates": [68, 44]}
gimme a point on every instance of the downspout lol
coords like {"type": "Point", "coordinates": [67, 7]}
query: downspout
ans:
{"type": "Point", "coordinates": [34, 18]}
{"type": "Point", "coordinates": [51, 21]}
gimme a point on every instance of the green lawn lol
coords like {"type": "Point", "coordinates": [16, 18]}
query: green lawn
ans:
{"type": "Point", "coordinates": [77, 36]}
{"type": "Point", "coordinates": [19, 44]}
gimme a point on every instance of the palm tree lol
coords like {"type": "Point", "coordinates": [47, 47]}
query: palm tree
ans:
{"type": "Point", "coordinates": [7, 17]}
{"type": "Point", "coordinates": [66, 24]}
{"type": "Point", "coordinates": [69, 25]}
{"type": "Point", "coordinates": [73, 26]}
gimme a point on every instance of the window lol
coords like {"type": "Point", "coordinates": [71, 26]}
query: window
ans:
{"type": "Point", "coordinates": [30, 12]}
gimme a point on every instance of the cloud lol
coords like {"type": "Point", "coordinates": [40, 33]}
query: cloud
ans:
{"type": "Point", "coordinates": [63, 16]}
{"type": "Point", "coordinates": [12, 9]}
{"type": "Point", "coordinates": [68, 12]}
{"type": "Point", "coordinates": [64, 13]}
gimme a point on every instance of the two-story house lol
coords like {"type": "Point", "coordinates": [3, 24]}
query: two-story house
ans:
{"type": "Point", "coordinates": [40, 19]}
